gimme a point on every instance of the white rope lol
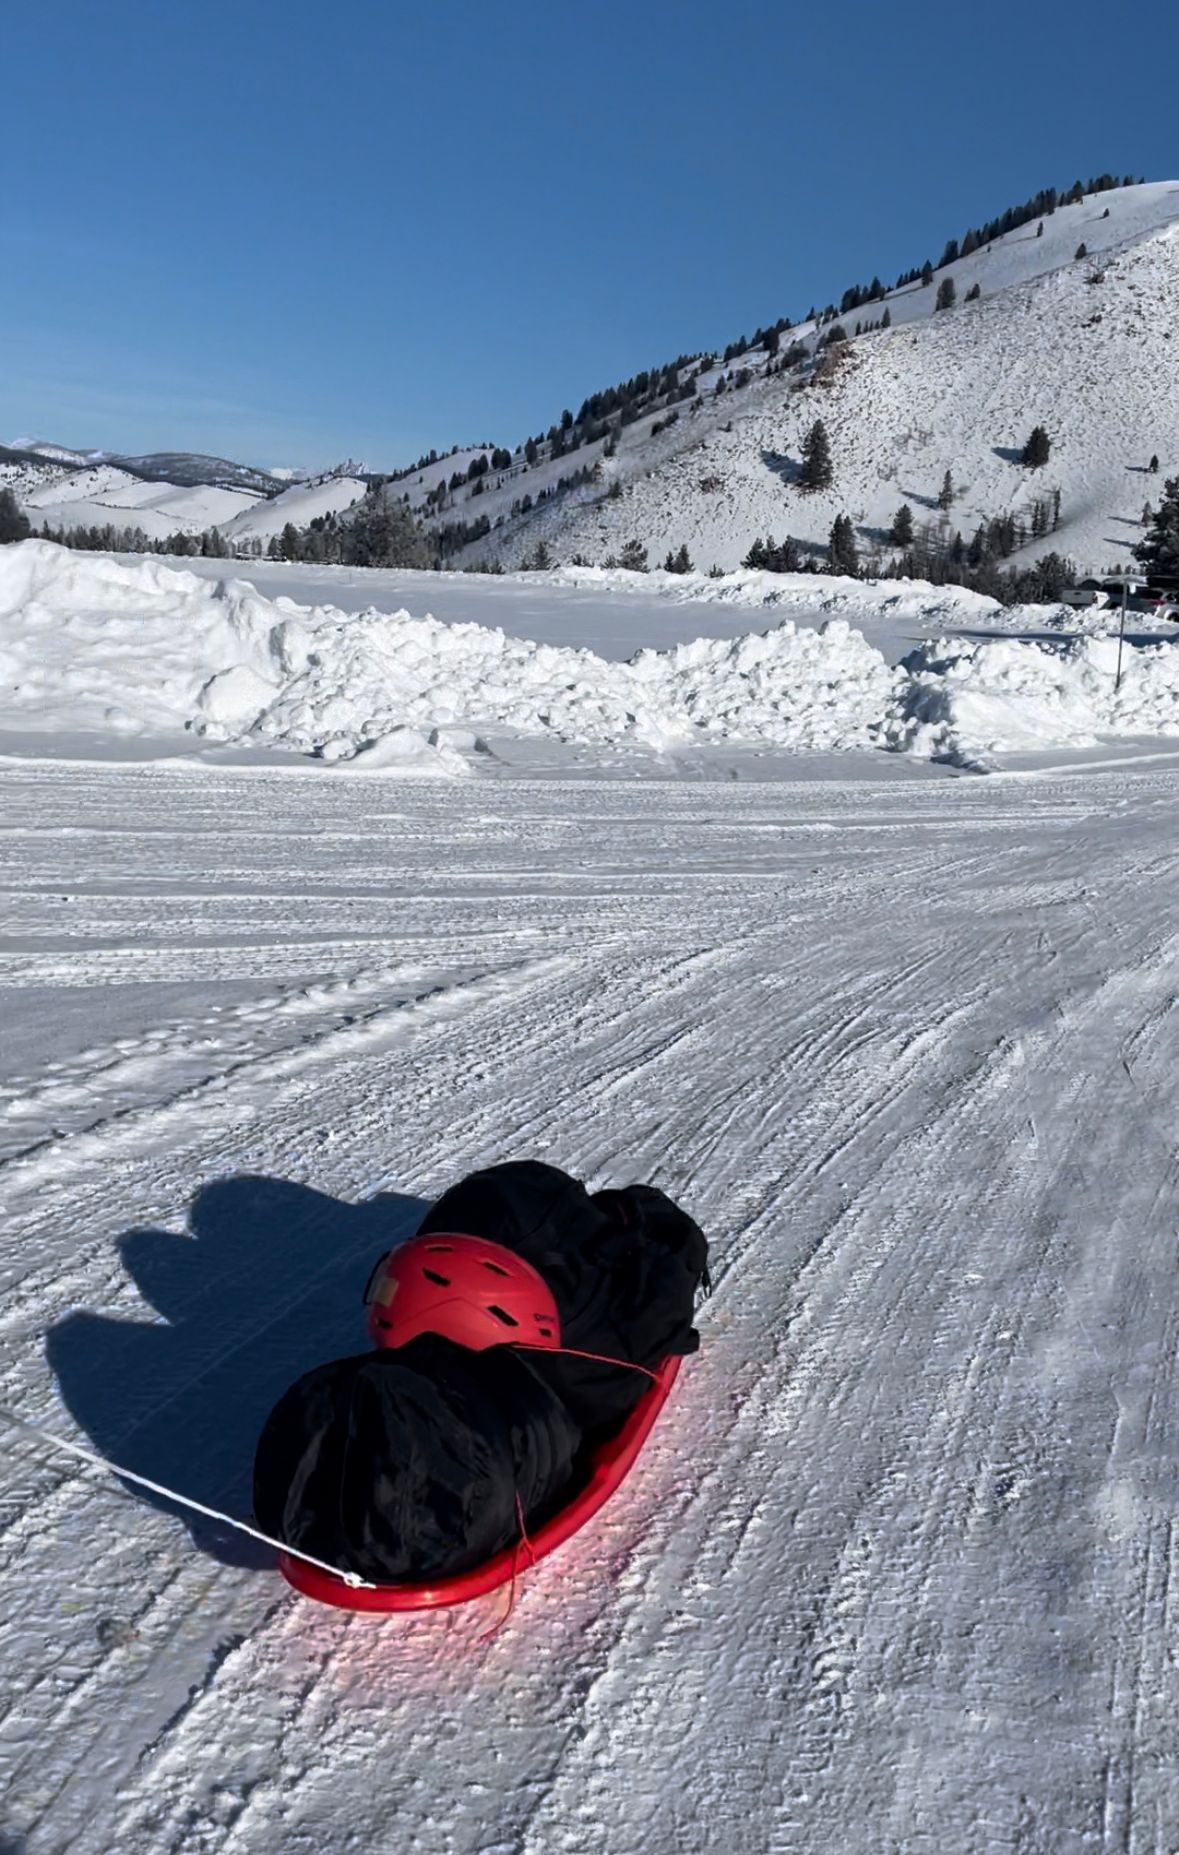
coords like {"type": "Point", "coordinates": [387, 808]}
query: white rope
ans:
{"type": "Point", "coordinates": [183, 1500]}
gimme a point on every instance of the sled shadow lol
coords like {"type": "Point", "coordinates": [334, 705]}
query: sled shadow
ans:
{"type": "Point", "coordinates": [266, 1282]}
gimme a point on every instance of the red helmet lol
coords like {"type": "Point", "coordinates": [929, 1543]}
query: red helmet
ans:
{"type": "Point", "coordinates": [473, 1292]}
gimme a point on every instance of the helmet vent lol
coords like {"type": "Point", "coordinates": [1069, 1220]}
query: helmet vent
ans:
{"type": "Point", "coordinates": [432, 1275]}
{"type": "Point", "coordinates": [502, 1314]}
{"type": "Point", "coordinates": [493, 1266]}
{"type": "Point", "coordinates": [445, 1249]}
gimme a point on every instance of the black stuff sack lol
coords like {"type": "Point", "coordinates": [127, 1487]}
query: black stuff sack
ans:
{"type": "Point", "coordinates": [625, 1268]}
{"type": "Point", "coordinates": [408, 1465]}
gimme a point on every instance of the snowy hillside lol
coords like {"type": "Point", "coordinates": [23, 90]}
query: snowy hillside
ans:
{"type": "Point", "coordinates": [54, 490]}
{"type": "Point", "coordinates": [302, 504]}
{"type": "Point", "coordinates": [1084, 346]}
{"type": "Point", "coordinates": [102, 493]}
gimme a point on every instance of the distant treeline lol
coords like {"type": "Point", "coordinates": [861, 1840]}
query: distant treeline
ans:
{"type": "Point", "coordinates": [378, 532]}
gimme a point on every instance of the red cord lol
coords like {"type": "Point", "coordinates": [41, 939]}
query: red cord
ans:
{"type": "Point", "coordinates": [575, 1352]}
{"type": "Point", "coordinates": [524, 1541]}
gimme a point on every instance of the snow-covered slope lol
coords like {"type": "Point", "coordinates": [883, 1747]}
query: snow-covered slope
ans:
{"type": "Point", "coordinates": [89, 643]}
{"type": "Point", "coordinates": [1084, 346]}
{"type": "Point", "coordinates": [302, 504]}
{"type": "Point", "coordinates": [167, 493]}
{"type": "Point", "coordinates": [103, 493]}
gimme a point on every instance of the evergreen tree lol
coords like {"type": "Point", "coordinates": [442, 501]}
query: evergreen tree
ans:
{"type": "Point", "coordinates": [530, 451]}
{"type": "Point", "coordinates": [381, 532]}
{"type": "Point", "coordinates": [13, 525]}
{"type": "Point", "coordinates": [772, 558]}
{"type": "Point", "coordinates": [634, 557]}
{"type": "Point", "coordinates": [945, 498]}
{"type": "Point", "coordinates": [1040, 229]}
{"type": "Point", "coordinates": [901, 532]}
{"type": "Point", "coordinates": [678, 562]}
{"type": "Point", "coordinates": [1158, 552]}
{"type": "Point", "coordinates": [973, 294]}
{"type": "Point", "coordinates": [816, 458]}
{"type": "Point", "coordinates": [1037, 449]}
{"type": "Point", "coordinates": [886, 318]}
{"type": "Point", "coordinates": [946, 294]}
{"type": "Point", "coordinates": [927, 272]}
{"type": "Point", "coordinates": [540, 559]}
{"type": "Point", "coordinates": [1147, 515]}
{"type": "Point", "coordinates": [1154, 464]}
{"type": "Point", "coordinates": [1082, 250]}
{"type": "Point", "coordinates": [842, 553]}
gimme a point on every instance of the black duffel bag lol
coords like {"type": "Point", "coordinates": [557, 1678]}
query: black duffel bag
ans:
{"type": "Point", "coordinates": [408, 1465]}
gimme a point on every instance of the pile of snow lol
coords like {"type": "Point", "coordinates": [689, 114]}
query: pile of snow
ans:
{"type": "Point", "coordinates": [791, 687]}
{"type": "Point", "coordinates": [831, 593]}
{"type": "Point", "coordinates": [87, 642]}
{"type": "Point", "coordinates": [91, 643]}
{"type": "Point", "coordinates": [968, 702]}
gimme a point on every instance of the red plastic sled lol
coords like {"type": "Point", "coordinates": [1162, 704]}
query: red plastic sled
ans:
{"type": "Point", "coordinates": [609, 1466]}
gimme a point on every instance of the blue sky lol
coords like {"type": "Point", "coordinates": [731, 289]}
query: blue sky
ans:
{"type": "Point", "coordinates": [289, 233]}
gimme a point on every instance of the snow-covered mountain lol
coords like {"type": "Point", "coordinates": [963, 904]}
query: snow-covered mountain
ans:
{"type": "Point", "coordinates": [1084, 345]}
{"type": "Point", "coordinates": [166, 493]}
{"type": "Point", "coordinates": [1072, 328]}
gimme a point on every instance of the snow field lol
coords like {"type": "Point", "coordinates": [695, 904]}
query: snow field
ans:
{"type": "Point", "coordinates": [93, 644]}
{"type": "Point", "coordinates": [898, 1568]}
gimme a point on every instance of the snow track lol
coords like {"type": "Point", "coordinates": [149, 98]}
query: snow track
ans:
{"type": "Point", "coordinates": [896, 1571]}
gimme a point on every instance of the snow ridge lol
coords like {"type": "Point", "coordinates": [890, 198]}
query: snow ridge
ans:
{"type": "Point", "coordinates": [91, 643]}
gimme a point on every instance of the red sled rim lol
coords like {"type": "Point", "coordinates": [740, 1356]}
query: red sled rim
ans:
{"type": "Point", "coordinates": [610, 1464]}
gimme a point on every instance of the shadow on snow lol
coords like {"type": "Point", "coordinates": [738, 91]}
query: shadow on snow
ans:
{"type": "Point", "coordinates": [266, 1283]}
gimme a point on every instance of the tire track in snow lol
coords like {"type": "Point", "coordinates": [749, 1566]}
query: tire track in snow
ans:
{"type": "Point", "coordinates": [736, 1607]}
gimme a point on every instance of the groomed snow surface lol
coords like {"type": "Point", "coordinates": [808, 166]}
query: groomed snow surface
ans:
{"type": "Point", "coordinates": [897, 1571]}
{"type": "Point", "coordinates": [96, 645]}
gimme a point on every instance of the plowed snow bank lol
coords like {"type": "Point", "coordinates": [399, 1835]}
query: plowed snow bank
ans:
{"type": "Point", "coordinates": [91, 643]}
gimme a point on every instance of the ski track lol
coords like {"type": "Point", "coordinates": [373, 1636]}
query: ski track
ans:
{"type": "Point", "coordinates": [895, 1573]}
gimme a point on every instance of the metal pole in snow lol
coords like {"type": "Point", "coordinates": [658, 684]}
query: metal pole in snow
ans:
{"type": "Point", "coordinates": [1121, 640]}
